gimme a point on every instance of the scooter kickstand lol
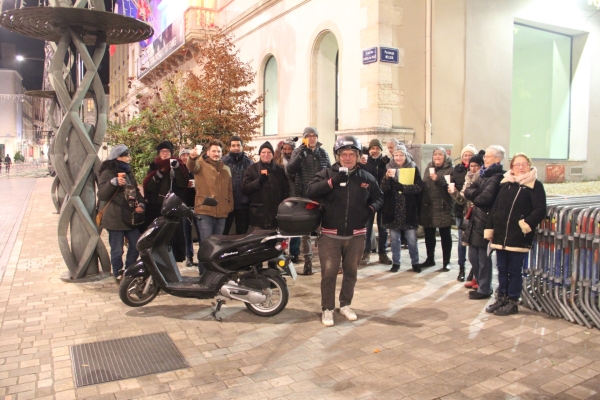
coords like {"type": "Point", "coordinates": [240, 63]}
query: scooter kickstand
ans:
{"type": "Point", "coordinates": [217, 308]}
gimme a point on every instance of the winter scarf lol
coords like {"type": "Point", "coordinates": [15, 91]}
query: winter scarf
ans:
{"type": "Point", "coordinates": [483, 168]}
{"type": "Point", "coordinates": [527, 179]}
{"type": "Point", "coordinates": [123, 166]}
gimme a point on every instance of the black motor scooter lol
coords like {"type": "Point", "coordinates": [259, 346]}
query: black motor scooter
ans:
{"type": "Point", "coordinates": [233, 266]}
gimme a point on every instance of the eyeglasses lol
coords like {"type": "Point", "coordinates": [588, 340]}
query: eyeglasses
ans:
{"type": "Point", "coordinates": [311, 135]}
{"type": "Point", "coordinates": [519, 165]}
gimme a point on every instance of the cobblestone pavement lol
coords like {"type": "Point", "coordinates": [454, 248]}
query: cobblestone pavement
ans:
{"type": "Point", "coordinates": [417, 337]}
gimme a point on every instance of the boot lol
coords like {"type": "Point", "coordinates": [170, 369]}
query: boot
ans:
{"type": "Point", "coordinates": [446, 266]}
{"type": "Point", "coordinates": [502, 300]}
{"type": "Point", "coordinates": [365, 258]}
{"type": "Point", "coordinates": [384, 259]}
{"type": "Point", "coordinates": [395, 268]}
{"type": "Point", "coordinates": [509, 308]}
{"type": "Point", "coordinates": [189, 262]}
{"type": "Point", "coordinates": [307, 267]}
{"type": "Point", "coordinates": [461, 273]}
{"type": "Point", "coordinates": [417, 268]}
{"type": "Point", "coordinates": [294, 259]}
{"type": "Point", "coordinates": [429, 262]}
{"type": "Point", "coordinates": [470, 276]}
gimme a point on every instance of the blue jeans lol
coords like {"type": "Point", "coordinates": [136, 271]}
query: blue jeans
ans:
{"type": "Point", "coordinates": [510, 270]}
{"type": "Point", "coordinates": [411, 240]}
{"type": "Point", "coordinates": [462, 250]}
{"type": "Point", "coordinates": [116, 241]}
{"type": "Point", "coordinates": [383, 235]}
{"type": "Point", "coordinates": [482, 268]}
{"type": "Point", "coordinates": [188, 237]}
{"type": "Point", "coordinates": [211, 226]}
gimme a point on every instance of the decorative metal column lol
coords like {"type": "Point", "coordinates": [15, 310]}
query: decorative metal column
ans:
{"type": "Point", "coordinates": [75, 28]}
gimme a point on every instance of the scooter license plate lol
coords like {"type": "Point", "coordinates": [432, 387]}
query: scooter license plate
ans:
{"type": "Point", "coordinates": [292, 270]}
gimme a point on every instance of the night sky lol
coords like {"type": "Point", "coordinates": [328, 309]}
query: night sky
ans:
{"type": "Point", "coordinates": [32, 70]}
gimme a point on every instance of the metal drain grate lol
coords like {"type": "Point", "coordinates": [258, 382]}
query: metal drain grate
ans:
{"type": "Point", "coordinates": [112, 360]}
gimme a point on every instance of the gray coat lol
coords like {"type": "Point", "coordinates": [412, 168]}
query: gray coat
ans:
{"type": "Point", "coordinates": [437, 206]}
{"type": "Point", "coordinates": [113, 219]}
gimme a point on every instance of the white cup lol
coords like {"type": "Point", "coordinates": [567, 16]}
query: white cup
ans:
{"type": "Point", "coordinates": [363, 158]}
{"type": "Point", "coordinates": [431, 171]}
{"type": "Point", "coordinates": [447, 178]}
{"type": "Point", "coordinates": [198, 148]}
{"type": "Point", "coordinates": [451, 186]}
{"type": "Point", "coordinates": [192, 183]}
{"type": "Point", "coordinates": [393, 171]}
{"type": "Point", "coordinates": [343, 170]}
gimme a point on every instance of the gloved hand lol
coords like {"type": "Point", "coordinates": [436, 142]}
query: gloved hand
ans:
{"type": "Point", "coordinates": [303, 152]}
{"type": "Point", "coordinates": [174, 164]}
{"type": "Point", "coordinates": [263, 178]}
{"type": "Point", "coordinates": [339, 178]}
{"type": "Point", "coordinates": [525, 228]}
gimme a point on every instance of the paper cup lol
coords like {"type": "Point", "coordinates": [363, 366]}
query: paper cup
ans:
{"type": "Point", "coordinates": [431, 171]}
{"type": "Point", "coordinates": [198, 148]}
{"type": "Point", "coordinates": [447, 178]}
{"type": "Point", "coordinates": [364, 158]}
{"type": "Point", "coordinates": [192, 183]}
{"type": "Point", "coordinates": [451, 186]}
{"type": "Point", "coordinates": [393, 170]}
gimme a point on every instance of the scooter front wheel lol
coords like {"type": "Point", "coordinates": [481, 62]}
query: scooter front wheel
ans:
{"type": "Point", "coordinates": [277, 298]}
{"type": "Point", "coordinates": [131, 291]}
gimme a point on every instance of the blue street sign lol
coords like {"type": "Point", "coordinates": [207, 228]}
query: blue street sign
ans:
{"type": "Point", "coordinates": [388, 55]}
{"type": "Point", "coordinates": [370, 55]}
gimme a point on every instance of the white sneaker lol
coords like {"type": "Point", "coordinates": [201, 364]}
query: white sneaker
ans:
{"type": "Point", "coordinates": [347, 312]}
{"type": "Point", "coordinates": [327, 318]}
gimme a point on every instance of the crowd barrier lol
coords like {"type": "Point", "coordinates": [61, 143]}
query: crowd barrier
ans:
{"type": "Point", "coordinates": [561, 273]}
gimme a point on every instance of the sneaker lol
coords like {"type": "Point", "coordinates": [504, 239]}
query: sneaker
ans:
{"type": "Point", "coordinates": [511, 307]}
{"type": "Point", "coordinates": [416, 268]}
{"type": "Point", "coordinates": [347, 312]}
{"type": "Point", "coordinates": [365, 258]}
{"type": "Point", "coordinates": [470, 283]}
{"type": "Point", "coordinates": [327, 318]}
{"type": "Point", "coordinates": [502, 299]}
{"type": "Point", "coordinates": [189, 262]}
{"type": "Point", "coordinates": [384, 259]}
{"type": "Point", "coordinates": [479, 296]}
{"type": "Point", "coordinates": [395, 268]}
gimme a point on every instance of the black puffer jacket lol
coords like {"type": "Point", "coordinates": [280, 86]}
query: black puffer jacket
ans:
{"type": "Point", "coordinates": [238, 163]}
{"type": "Point", "coordinates": [113, 217]}
{"type": "Point", "coordinates": [401, 209]}
{"type": "Point", "coordinates": [458, 177]}
{"type": "Point", "coordinates": [345, 208]}
{"type": "Point", "coordinates": [437, 206]}
{"type": "Point", "coordinates": [265, 198]}
{"type": "Point", "coordinates": [305, 168]}
{"type": "Point", "coordinates": [516, 202]}
{"type": "Point", "coordinates": [376, 167]}
{"type": "Point", "coordinates": [482, 193]}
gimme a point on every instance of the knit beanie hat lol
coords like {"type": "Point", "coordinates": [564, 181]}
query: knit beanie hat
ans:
{"type": "Point", "coordinates": [266, 145]}
{"type": "Point", "coordinates": [402, 148]}
{"type": "Point", "coordinates": [376, 142]}
{"type": "Point", "coordinates": [164, 145]}
{"type": "Point", "coordinates": [290, 142]}
{"type": "Point", "coordinates": [308, 130]}
{"type": "Point", "coordinates": [478, 158]}
{"type": "Point", "coordinates": [118, 151]}
{"type": "Point", "coordinates": [470, 148]}
{"type": "Point", "coordinates": [184, 151]}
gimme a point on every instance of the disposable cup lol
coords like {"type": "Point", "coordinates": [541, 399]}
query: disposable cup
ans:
{"type": "Point", "coordinates": [431, 171]}
{"type": "Point", "coordinates": [198, 148]}
{"type": "Point", "coordinates": [451, 186]}
{"type": "Point", "coordinates": [447, 178]}
{"type": "Point", "coordinates": [192, 183]}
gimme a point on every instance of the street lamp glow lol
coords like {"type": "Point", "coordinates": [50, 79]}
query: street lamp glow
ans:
{"type": "Point", "coordinates": [20, 57]}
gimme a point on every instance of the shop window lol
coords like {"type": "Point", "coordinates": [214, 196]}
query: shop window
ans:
{"type": "Point", "coordinates": [271, 93]}
{"type": "Point", "coordinates": [541, 91]}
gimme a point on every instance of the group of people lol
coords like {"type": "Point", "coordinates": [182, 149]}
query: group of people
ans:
{"type": "Point", "coordinates": [493, 208]}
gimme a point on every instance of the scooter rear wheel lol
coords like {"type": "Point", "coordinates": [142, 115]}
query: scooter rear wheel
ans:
{"type": "Point", "coordinates": [277, 298]}
{"type": "Point", "coordinates": [131, 291]}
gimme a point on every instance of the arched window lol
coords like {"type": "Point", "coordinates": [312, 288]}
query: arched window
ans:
{"type": "Point", "coordinates": [271, 92]}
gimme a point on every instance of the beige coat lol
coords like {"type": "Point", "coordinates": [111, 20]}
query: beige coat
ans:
{"type": "Point", "coordinates": [212, 179]}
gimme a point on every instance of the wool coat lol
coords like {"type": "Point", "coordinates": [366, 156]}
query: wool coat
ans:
{"type": "Point", "coordinates": [265, 197]}
{"type": "Point", "coordinates": [401, 202]}
{"type": "Point", "coordinates": [213, 179]}
{"type": "Point", "coordinates": [437, 206]}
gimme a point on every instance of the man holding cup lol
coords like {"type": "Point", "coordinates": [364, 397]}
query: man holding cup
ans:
{"type": "Point", "coordinates": [375, 164]}
{"type": "Point", "coordinates": [307, 160]}
{"type": "Point", "coordinates": [350, 197]}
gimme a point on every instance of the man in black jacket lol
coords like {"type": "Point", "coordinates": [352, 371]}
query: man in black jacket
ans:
{"type": "Point", "coordinates": [266, 184]}
{"type": "Point", "coordinates": [308, 159]}
{"type": "Point", "coordinates": [375, 165]}
{"type": "Point", "coordinates": [238, 162]}
{"type": "Point", "coordinates": [349, 196]}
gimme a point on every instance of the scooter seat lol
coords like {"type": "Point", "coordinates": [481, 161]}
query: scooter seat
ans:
{"type": "Point", "coordinates": [223, 243]}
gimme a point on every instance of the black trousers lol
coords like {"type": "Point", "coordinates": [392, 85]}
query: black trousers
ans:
{"type": "Point", "coordinates": [241, 217]}
{"type": "Point", "coordinates": [430, 242]}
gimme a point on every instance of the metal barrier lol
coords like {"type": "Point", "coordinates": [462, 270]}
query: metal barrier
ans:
{"type": "Point", "coordinates": [560, 276]}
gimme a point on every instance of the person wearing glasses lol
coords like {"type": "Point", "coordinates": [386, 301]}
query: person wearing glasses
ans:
{"type": "Point", "coordinates": [511, 229]}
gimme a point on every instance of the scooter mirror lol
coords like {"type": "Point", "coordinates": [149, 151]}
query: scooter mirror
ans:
{"type": "Point", "coordinates": [210, 201]}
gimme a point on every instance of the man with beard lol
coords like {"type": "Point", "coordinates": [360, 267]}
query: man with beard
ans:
{"type": "Point", "coordinates": [238, 162]}
{"type": "Point", "coordinates": [267, 186]}
{"type": "Point", "coordinates": [166, 174]}
{"type": "Point", "coordinates": [283, 158]}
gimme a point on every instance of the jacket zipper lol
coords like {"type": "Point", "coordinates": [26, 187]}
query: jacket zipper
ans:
{"type": "Point", "coordinates": [347, 204]}
{"type": "Point", "coordinates": [509, 214]}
